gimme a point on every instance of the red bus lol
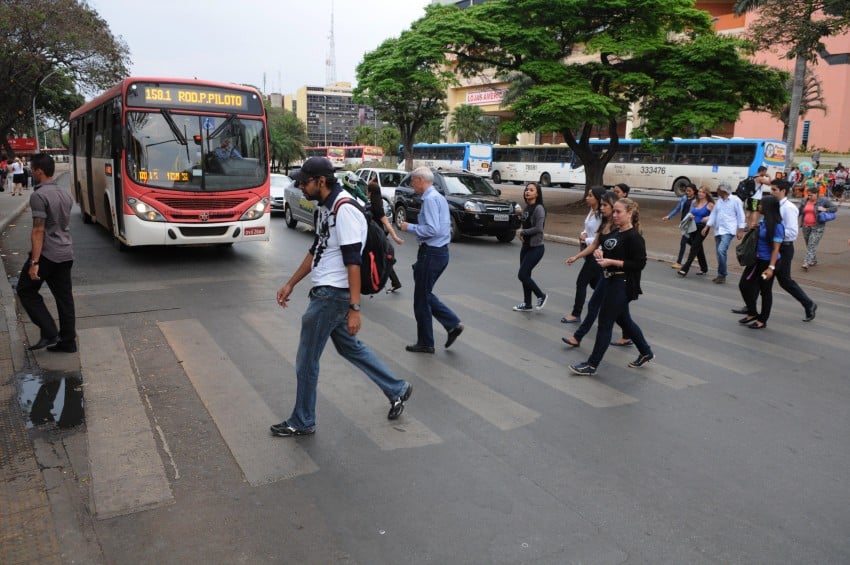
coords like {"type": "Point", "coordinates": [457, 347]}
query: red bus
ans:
{"type": "Point", "coordinates": [173, 162]}
{"type": "Point", "coordinates": [336, 155]}
{"type": "Point", "coordinates": [358, 155]}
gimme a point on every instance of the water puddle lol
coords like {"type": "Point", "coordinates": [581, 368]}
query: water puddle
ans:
{"type": "Point", "coordinates": [51, 396]}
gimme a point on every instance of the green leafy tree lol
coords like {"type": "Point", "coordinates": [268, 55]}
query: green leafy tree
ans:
{"type": "Point", "coordinates": [364, 135]}
{"type": "Point", "coordinates": [798, 27]}
{"type": "Point", "coordinates": [287, 137]}
{"type": "Point", "coordinates": [432, 132]}
{"type": "Point", "coordinates": [467, 123]}
{"type": "Point", "coordinates": [585, 63]}
{"type": "Point", "coordinates": [40, 37]}
{"type": "Point", "coordinates": [57, 98]}
{"type": "Point", "coordinates": [405, 80]}
{"type": "Point", "coordinates": [389, 138]}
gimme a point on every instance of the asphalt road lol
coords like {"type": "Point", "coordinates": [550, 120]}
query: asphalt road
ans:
{"type": "Point", "coordinates": [730, 448]}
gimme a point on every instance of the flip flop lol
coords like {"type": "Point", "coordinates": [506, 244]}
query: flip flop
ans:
{"type": "Point", "coordinates": [566, 320]}
{"type": "Point", "coordinates": [568, 342]}
{"type": "Point", "coordinates": [627, 343]}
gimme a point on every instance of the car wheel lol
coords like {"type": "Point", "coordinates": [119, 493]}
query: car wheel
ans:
{"type": "Point", "coordinates": [506, 236]}
{"type": "Point", "coordinates": [400, 216]}
{"type": "Point", "coordinates": [497, 177]}
{"type": "Point", "coordinates": [287, 217]}
{"type": "Point", "coordinates": [455, 231]}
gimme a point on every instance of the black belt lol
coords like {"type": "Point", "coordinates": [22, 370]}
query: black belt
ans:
{"type": "Point", "coordinates": [609, 274]}
{"type": "Point", "coordinates": [786, 243]}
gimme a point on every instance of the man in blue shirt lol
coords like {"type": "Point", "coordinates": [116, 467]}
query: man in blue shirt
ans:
{"type": "Point", "coordinates": [433, 233]}
{"type": "Point", "coordinates": [226, 151]}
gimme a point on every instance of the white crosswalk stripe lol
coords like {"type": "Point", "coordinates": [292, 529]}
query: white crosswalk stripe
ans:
{"type": "Point", "coordinates": [239, 412]}
{"type": "Point", "coordinates": [351, 392]}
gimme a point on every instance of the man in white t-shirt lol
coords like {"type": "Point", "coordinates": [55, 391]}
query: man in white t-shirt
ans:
{"type": "Point", "coordinates": [333, 262]}
{"type": "Point", "coordinates": [762, 180]}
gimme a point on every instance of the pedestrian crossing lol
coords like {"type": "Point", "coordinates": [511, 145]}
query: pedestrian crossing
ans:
{"type": "Point", "coordinates": [242, 413]}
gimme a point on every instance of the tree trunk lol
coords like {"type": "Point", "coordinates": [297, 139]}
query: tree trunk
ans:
{"type": "Point", "coordinates": [794, 111]}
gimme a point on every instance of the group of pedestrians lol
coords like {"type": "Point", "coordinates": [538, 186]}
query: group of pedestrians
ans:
{"type": "Point", "coordinates": [15, 176]}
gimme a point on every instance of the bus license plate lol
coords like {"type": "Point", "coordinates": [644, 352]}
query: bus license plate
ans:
{"type": "Point", "coordinates": [255, 231]}
{"type": "Point", "coordinates": [500, 217]}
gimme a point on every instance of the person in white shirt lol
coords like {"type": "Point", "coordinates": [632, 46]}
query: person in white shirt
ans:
{"type": "Point", "coordinates": [762, 180]}
{"type": "Point", "coordinates": [727, 219]}
{"type": "Point", "coordinates": [790, 218]}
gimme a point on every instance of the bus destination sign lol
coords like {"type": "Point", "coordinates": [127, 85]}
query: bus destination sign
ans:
{"type": "Point", "coordinates": [193, 97]}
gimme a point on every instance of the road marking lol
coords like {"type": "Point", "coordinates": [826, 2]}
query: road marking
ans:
{"type": "Point", "coordinates": [656, 372]}
{"type": "Point", "coordinates": [239, 412]}
{"type": "Point", "coordinates": [127, 472]}
{"type": "Point", "coordinates": [494, 407]}
{"type": "Point", "coordinates": [145, 286]}
{"type": "Point", "coordinates": [590, 391]}
{"type": "Point", "coordinates": [350, 391]}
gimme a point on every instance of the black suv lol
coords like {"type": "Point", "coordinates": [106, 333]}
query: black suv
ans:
{"type": "Point", "coordinates": [474, 204]}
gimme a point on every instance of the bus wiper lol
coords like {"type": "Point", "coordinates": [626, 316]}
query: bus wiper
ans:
{"type": "Point", "coordinates": [174, 129]}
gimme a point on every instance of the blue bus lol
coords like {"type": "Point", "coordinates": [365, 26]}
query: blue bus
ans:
{"type": "Point", "coordinates": [473, 157]}
{"type": "Point", "coordinates": [672, 165]}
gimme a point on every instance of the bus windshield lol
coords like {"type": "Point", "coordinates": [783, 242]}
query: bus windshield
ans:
{"type": "Point", "coordinates": [194, 152]}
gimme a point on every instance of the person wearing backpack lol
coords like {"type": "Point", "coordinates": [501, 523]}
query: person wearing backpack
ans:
{"type": "Point", "coordinates": [333, 263]}
{"type": "Point", "coordinates": [433, 233]}
{"type": "Point", "coordinates": [760, 187]}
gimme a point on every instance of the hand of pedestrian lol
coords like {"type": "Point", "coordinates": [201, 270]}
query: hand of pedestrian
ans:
{"type": "Point", "coordinates": [33, 272]}
{"type": "Point", "coordinates": [570, 260]}
{"type": "Point", "coordinates": [353, 322]}
{"type": "Point", "coordinates": [665, 218]}
{"type": "Point", "coordinates": [283, 295]}
{"type": "Point", "coordinates": [398, 240]}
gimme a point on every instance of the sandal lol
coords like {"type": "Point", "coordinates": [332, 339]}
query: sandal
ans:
{"type": "Point", "coordinates": [757, 325]}
{"type": "Point", "coordinates": [573, 343]}
{"type": "Point", "coordinates": [566, 320]}
{"type": "Point", "coordinates": [620, 343]}
{"type": "Point", "coordinates": [747, 319]}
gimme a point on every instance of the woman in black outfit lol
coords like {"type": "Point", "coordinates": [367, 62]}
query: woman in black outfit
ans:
{"type": "Point", "coordinates": [532, 250]}
{"type": "Point", "coordinates": [622, 256]}
{"type": "Point", "coordinates": [758, 279]}
{"type": "Point", "coordinates": [376, 205]}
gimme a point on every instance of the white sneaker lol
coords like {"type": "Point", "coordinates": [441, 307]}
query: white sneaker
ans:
{"type": "Point", "coordinates": [541, 302]}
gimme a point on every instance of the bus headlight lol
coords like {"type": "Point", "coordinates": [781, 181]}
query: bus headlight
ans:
{"type": "Point", "coordinates": [145, 211]}
{"type": "Point", "coordinates": [469, 206]}
{"type": "Point", "coordinates": [256, 211]}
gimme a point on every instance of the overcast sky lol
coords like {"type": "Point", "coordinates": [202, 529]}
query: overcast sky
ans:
{"type": "Point", "coordinates": [239, 40]}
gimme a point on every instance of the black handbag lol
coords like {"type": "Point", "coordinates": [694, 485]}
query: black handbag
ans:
{"type": "Point", "coordinates": [746, 250]}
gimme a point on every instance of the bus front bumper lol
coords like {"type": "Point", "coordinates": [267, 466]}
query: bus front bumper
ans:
{"type": "Point", "coordinates": [141, 232]}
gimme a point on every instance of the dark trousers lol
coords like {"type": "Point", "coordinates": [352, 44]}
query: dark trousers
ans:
{"type": "Point", "coordinates": [528, 259]}
{"type": "Point", "coordinates": [593, 306]}
{"type": "Point", "coordinates": [58, 279]}
{"type": "Point", "coordinates": [589, 274]}
{"type": "Point", "coordinates": [697, 251]}
{"type": "Point", "coordinates": [394, 278]}
{"type": "Point", "coordinates": [752, 285]}
{"type": "Point", "coordinates": [783, 276]}
{"type": "Point", "coordinates": [683, 244]}
{"type": "Point", "coordinates": [615, 308]}
{"type": "Point", "coordinates": [430, 264]}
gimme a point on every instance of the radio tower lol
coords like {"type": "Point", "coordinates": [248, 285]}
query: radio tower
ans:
{"type": "Point", "coordinates": [330, 62]}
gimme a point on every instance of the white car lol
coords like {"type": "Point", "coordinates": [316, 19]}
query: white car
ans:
{"type": "Point", "coordinates": [278, 188]}
{"type": "Point", "coordinates": [388, 180]}
{"type": "Point", "coordinates": [299, 209]}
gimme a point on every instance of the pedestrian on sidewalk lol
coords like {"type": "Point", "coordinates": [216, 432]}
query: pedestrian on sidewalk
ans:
{"type": "Point", "coordinates": [433, 232]}
{"type": "Point", "coordinates": [532, 248]}
{"type": "Point", "coordinates": [684, 206]}
{"type": "Point", "coordinates": [622, 256]}
{"type": "Point", "coordinates": [812, 226]}
{"type": "Point", "coordinates": [590, 271]}
{"type": "Point", "coordinates": [333, 262]}
{"type": "Point", "coordinates": [17, 172]}
{"type": "Point", "coordinates": [728, 220]}
{"type": "Point", "coordinates": [50, 260]}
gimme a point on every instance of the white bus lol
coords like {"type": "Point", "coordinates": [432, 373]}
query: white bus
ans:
{"type": "Point", "coordinates": [672, 165]}
{"type": "Point", "coordinates": [473, 157]}
{"type": "Point", "coordinates": [544, 164]}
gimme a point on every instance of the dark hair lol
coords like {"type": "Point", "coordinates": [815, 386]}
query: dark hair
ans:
{"type": "Point", "coordinates": [373, 187]}
{"type": "Point", "coordinates": [624, 187]}
{"type": "Point", "coordinates": [598, 192]}
{"type": "Point", "coordinates": [771, 214]}
{"type": "Point", "coordinates": [44, 163]}
{"type": "Point", "coordinates": [781, 184]}
{"type": "Point", "coordinates": [610, 197]}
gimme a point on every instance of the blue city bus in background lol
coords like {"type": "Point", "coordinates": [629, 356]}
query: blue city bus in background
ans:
{"type": "Point", "coordinates": [473, 157]}
{"type": "Point", "coordinates": [672, 165]}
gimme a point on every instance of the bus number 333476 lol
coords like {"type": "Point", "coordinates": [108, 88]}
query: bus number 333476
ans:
{"type": "Point", "coordinates": [653, 170]}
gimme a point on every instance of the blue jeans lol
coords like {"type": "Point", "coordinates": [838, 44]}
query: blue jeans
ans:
{"type": "Point", "coordinates": [615, 308]}
{"type": "Point", "coordinates": [327, 317]}
{"type": "Point", "coordinates": [722, 242]}
{"type": "Point", "coordinates": [430, 264]}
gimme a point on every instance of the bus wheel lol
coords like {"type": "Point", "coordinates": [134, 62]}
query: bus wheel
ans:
{"type": "Point", "coordinates": [545, 180]}
{"type": "Point", "coordinates": [680, 184]}
{"type": "Point", "coordinates": [496, 177]}
{"type": "Point", "coordinates": [287, 217]}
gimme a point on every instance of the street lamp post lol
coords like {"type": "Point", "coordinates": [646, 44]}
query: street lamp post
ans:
{"type": "Point", "coordinates": [34, 115]}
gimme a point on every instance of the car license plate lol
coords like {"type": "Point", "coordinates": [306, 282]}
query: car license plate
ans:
{"type": "Point", "coordinates": [255, 231]}
{"type": "Point", "coordinates": [500, 217]}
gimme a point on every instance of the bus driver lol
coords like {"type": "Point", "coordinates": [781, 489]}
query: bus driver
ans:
{"type": "Point", "coordinates": [226, 151]}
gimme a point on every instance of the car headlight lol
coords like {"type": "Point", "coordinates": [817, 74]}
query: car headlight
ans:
{"type": "Point", "coordinates": [517, 209]}
{"type": "Point", "coordinates": [256, 211]}
{"type": "Point", "coordinates": [470, 206]}
{"type": "Point", "coordinates": [145, 211]}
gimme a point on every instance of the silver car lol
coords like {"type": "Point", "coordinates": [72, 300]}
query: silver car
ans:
{"type": "Point", "coordinates": [278, 187]}
{"type": "Point", "coordinates": [299, 209]}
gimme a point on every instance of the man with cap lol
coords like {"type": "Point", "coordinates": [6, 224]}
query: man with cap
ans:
{"type": "Point", "coordinates": [728, 220]}
{"type": "Point", "coordinates": [333, 262]}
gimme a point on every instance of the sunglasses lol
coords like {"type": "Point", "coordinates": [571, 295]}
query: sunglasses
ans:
{"type": "Point", "coordinates": [299, 184]}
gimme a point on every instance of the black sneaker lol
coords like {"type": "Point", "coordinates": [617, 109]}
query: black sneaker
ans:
{"type": "Point", "coordinates": [583, 369]}
{"type": "Point", "coordinates": [397, 405]}
{"type": "Point", "coordinates": [285, 430]}
{"type": "Point", "coordinates": [642, 360]}
{"type": "Point", "coordinates": [522, 307]}
{"type": "Point", "coordinates": [541, 302]}
{"type": "Point", "coordinates": [453, 335]}
{"type": "Point", "coordinates": [810, 313]}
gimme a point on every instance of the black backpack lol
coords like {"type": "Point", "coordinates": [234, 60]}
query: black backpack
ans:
{"type": "Point", "coordinates": [378, 254]}
{"type": "Point", "coordinates": [746, 188]}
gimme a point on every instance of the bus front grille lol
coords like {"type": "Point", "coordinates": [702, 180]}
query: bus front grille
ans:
{"type": "Point", "coordinates": [202, 203]}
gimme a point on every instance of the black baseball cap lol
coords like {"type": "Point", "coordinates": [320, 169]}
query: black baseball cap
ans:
{"type": "Point", "coordinates": [312, 168]}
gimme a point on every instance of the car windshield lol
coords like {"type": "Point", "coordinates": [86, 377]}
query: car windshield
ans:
{"type": "Point", "coordinates": [194, 153]}
{"type": "Point", "coordinates": [467, 184]}
{"type": "Point", "coordinates": [390, 179]}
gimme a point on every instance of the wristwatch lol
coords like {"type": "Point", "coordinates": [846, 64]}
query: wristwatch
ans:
{"type": "Point", "coordinates": [355, 307]}
{"type": "Point", "coordinates": [772, 267]}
